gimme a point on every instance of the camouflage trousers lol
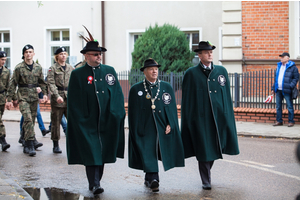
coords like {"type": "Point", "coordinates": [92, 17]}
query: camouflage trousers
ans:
{"type": "Point", "coordinates": [2, 127]}
{"type": "Point", "coordinates": [29, 112]}
{"type": "Point", "coordinates": [56, 116]}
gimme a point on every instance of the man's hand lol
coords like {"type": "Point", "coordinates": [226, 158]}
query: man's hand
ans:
{"type": "Point", "coordinates": [41, 101]}
{"type": "Point", "coordinates": [8, 105]}
{"type": "Point", "coordinates": [273, 93]}
{"type": "Point", "coordinates": [168, 129]}
{"type": "Point", "coordinates": [15, 103]}
{"type": "Point", "coordinates": [60, 100]}
{"type": "Point", "coordinates": [38, 89]}
{"type": "Point", "coordinates": [45, 98]}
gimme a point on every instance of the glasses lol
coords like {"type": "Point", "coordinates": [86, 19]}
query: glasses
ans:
{"type": "Point", "coordinates": [94, 54]}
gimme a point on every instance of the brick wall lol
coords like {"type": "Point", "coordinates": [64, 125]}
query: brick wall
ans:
{"type": "Point", "coordinates": [265, 31]}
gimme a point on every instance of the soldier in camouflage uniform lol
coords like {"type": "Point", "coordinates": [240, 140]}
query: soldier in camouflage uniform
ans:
{"type": "Point", "coordinates": [80, 64]}
{"type": "Point", "coordinates": [4, 81]}
{"type": "Point", "coordinates": [58, 80]}
{"type": "Point", "coordinates": [27, 76]}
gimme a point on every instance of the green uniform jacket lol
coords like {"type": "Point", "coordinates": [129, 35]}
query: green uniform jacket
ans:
{"type": "Point", "coordinates": [4, 82]}
{"type": "Point", "coordinates": [22, 75]}
{"type": "Point", "coordinates": [58, 77]}
{"type": "Point", "coordinates": [148, 142]}
{"type": "Point", "coordinates": [207, 119]}
{"type": "Point", "coordinates": [95, 131]}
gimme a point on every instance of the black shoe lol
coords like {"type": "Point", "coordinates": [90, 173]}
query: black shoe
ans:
{"type": "Point", "coordinates": [153, 185]}
{"type": "Point", "coordinates": [56, 148]}
{"type": "Point", "coordinates": [44, 132]}
{"type": "Point", "coordinates": [29, 148]}
{"type": "Point", "coordinates": [21, 139]}
{"type": "Point", "coordinates": [36, 144]}
{"type": "Point", "coordinates": [206, 186]}
{"type": "Point", "coordinates": [97, 190]}
{"type": "Point", "coordinates": [4, 144]}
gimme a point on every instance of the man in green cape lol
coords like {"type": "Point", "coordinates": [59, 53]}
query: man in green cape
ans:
{"type": "Point", "coordinates": [207, 119]}
{"type": "Point", "coordinates": [95, 131]}
{"type": "Point", "coordinates": [153, 126]}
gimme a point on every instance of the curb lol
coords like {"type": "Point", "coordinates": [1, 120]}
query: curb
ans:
{"type": "Point", "coordinates": [20, 193]}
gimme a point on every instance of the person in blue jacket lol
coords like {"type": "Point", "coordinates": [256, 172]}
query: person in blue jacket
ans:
{"type": "Point", "coordinates": [286, 78]}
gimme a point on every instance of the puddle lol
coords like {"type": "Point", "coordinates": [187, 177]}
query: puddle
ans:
{"type": "Point", "coordinates": [52, 194]}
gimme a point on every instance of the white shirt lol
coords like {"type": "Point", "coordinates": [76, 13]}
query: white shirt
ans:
{"type": "Point", "coordinates": [280, 76]}
{"type": "Point", "coordinates": [207, 66]}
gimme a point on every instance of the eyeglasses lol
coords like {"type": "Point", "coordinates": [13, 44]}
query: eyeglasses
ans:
{"type": "Point", "coordinates": [94, 54]}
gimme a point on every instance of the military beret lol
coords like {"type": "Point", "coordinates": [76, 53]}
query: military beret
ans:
{"type": "Point", "coordinates": [26, 47]}
{"type": "Point", "coordinates": [3, 54]}
{"type": "Point", "coordinates": [59, 50]}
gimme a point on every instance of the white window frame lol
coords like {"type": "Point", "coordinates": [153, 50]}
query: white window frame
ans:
{"type": "Point", "coordinates": [130, 42]}
{"type": "Point", "coordinates": [48, 43]}
{"type": "Point", "coordinates": [220, 45]}
{"type": "Point", "coordinates": [7, 45]}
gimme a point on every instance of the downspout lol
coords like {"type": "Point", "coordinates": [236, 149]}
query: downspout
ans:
{"type": "Point", "coordinates": [102, 29]}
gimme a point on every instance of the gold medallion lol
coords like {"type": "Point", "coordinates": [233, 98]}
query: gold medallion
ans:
{"type": "Point", "coordinates": [153, 107]}
{"type": "Point", "coordinates": [148, 96]}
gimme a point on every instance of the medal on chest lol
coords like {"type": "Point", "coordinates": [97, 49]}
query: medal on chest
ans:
{"type": "Point", "coordinates": [148, 96]}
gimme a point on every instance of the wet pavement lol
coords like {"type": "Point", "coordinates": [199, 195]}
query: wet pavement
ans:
{"type": "Point", "coordinates": [48, 176]}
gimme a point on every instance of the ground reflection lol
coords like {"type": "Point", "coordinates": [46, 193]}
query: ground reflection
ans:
{"type": "Point", "coordinates": [53, 194]}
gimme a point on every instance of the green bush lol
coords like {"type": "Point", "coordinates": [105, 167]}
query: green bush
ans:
{"type": "Point", "coordinates": [167, 45]}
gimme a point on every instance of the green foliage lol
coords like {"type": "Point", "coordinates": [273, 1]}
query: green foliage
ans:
{"type": "Point", "coordinates": [165, 44]}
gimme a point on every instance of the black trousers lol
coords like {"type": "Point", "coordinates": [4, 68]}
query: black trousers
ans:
{"type": "Point", "coordinates": [94, 175]}
{"type": "Point", "coordinates": [204, 169]}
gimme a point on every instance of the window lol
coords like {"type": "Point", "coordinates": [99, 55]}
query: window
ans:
{"type": "Point", "coordinates": [193, 39]}
{"type": "Point", "coordinates": [5, 46]}
{"type": "Point", "coordinates": [58, 38]}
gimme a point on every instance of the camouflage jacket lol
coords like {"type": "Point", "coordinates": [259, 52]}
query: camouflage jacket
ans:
{"type": "Point", "coordinates": [4, 81]}
{"type": "Point", "coordinates": [27, 81]}
{"type": "Point", "coordinates": [80, 64]}
{"type": "Point", "coordinates": [58, 81]}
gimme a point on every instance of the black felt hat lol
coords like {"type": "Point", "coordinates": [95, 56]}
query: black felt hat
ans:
{"type": "Point", "coordinates": [204, 45]}
{"type": "Point", "coordinates": [59, 50]}
{"type": "Point", "coordinates": [3, 54]}
{"type": "Point", "coordinates": [92, 46]}
{"type": "Point", "coordinates": [150, 63]}
{"type": "Point", "coordinates": [26, 47]}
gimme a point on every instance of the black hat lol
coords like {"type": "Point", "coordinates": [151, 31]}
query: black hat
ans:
{"type": "Point", "coordinates": [26, 47]}
{"type": "Point", "coordinates": [3, 54]}
{"type": "Point", "coordinates": [284, 54]}
{"type": "Point", "coordinates": [59, 50]}
{"type": "Point", "coordinates": [92, 46]}
{"type": "Point", "coordinates": [150, 63]}
{"type": "Point", "coordinates": [204, 45]}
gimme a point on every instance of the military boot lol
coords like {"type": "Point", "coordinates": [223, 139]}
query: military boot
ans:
{"type": "Point", "coordinates": [56, 148]}
{"type": "Point", "coordinates": [29, 148]}
{"type": "Point", "coordinates": [4, 143]}
{"type": "Point", "coordinates": [21, 139]}
{"type": "Point", "coordinates": [36, 143]}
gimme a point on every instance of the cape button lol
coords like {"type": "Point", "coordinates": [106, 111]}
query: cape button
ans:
{"type": "Point", "coordinates": [209, 91]}
{"type": "Point", "coordinates": [215, 91]}
{"type": "Point", "coordinates": [102, 91]}
{"type": "Point", "coordinates": [97, 92]}
{"type": "Point", "coordinates": [100, 79]}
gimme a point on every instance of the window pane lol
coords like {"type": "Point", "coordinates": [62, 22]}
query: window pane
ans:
{"type": "Point", "coordinates": [66, 35]}
{"type": "Point", "coordinates": [55, 36]}
{"type": "Point", "coordinates": [195, 38]}
{"type": "Point", "coordinates": [7, 51]}
{"type": "Point", "coordinates": [1, 37]}
{"type": "Point", "coordinates": [188, 37]}
{"type": "Point", "coordinates": [6, 37]}
{"type": "Point", "coordinates": [135, 37]}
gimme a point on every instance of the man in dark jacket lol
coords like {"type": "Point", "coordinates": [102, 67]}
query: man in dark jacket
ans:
{"type": "Point", "coordinates": [95, 131]}
{"type": "Point", "coordinates": [286, 78]}
{"type": "Point", "coordinates": [207, 120]}
{"type": "Point", "coordinates": [153, 126]}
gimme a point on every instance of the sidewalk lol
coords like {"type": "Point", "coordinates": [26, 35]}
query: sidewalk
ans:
{"type": "Point", "coordinates": [11, 191]}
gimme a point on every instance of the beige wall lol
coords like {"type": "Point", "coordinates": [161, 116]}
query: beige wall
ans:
{"type": "Point", "coordinates": [121, 17]}
{"type": "Point", "coordinates": [28, 24]}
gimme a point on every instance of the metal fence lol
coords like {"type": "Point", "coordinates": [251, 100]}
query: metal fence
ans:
{"type": "Point", "coordinates": [248, 89]}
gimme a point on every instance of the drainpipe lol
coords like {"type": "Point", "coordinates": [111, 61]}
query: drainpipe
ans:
{"type": "Point", "coordinates": [102, 29]}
